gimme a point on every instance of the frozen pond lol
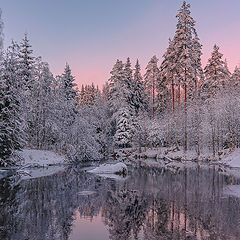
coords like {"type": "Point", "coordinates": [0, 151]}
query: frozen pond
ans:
{"type": "Point", "coordinates": [149, 204]}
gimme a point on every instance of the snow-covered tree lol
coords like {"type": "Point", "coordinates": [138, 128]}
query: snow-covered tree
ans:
{"type": "Point", "coordinates": [11, 121]}
{"type": "Point", "coordinates": [227, 73]}
{"type": "Point", "coordinates": [121, 100]}
{"type": "Point", "coordinates": [128, 83]}
{"type": "Point", "coordinates": [1, 34]}
{"type": "Point", "coordinates": [125, 128]}
{"type": "Point", "coordinates": [139, 97]}
{"type": "Point", "coordinates": [43, 106]}
{"type": "Point", "coordinates": [187, 60]}
{"type": "Point", "coordinates": [214, 74]}
{"type": "Point", "coordinates": [26, 63]}
{"type": "Point", "coordinates": [166, 70]}
{"type": "Point", "coordinates": [66, 105]}
{"type": "Point", "coordinates": [234, 81]}
{"type": "Point", "coordinates": [150, 81]}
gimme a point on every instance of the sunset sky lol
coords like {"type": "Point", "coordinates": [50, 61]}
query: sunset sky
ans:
{"type": "Point", "coordinates": [91, 34]}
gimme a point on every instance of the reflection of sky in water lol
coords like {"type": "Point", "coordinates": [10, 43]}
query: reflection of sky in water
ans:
{"type": "Point", "coordinates": [89, 229]}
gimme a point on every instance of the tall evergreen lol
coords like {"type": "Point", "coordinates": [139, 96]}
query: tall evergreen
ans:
{"type": "Point", "coordinates": [11, 123]}
{"type": "Point", "coordinates": [121, 99]}
{"type": "Point", "coordinates": [128, 84]}
{"type": "Point", "coordinates": [234, 81]}
{"type": "Point", "coordinates": [214, 74]}
{"type": "Point", "coordinates": [184, 61]}
{"type": "Point", "coordinates": [139, 94]}
{"type": "Point", "coordinates": [66, 105]}
{"type": "Point", "coordinates": [166, 70]}
{"type": "Point", "coordinates": [150, 81]}
{"type": "Point", "coordinates": [227, 73]}
{"type": "Point", "coordinates": [26, 63]}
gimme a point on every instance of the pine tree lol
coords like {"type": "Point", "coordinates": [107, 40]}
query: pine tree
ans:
{"type": "Point", "coordinates": [67, 106]}
{"type": "Point", "coordinates": [235, 79]}
{"type": "Point", "coordinates": [11, 123]}
{"type": "Point", "coordinates": [150, 80]}
{"type": "Point", "coordinates": [105, 91]}
{"type": "Point", "coordinates": [124, 133]}
{"type": "Point", "coordinates": [120, 96]}
{"type": "Point", "coordinates": [166, 71]}
{"type": "Point", "coordinates": [42, 114]}
{"type": "Point", "coordinates": [227, 73]}
{"type": "Point", "coordinates": [194, 92]}
{"type": "Point", "coordinates": [117, 88]}
{"type": "Point", "coordinates": [197, 67]}
{"type": "Point", "coordinates": [1, 35]}
{"type": "Point", "coordinates": [139, 94]}
{"type": "Point", "coordinates": [26, 63]}
{"type": "Point", "coordinates": [128, 84]}
{"type": "Point", "coordinates": [11, 134]}
{"type": "Point", "coordinates": [214, 74]}
{"type": "Point", "coordinates": [184, 61]}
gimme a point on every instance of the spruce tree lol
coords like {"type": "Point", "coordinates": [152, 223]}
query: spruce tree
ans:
{"type": "Point", "coordinates": [139, 94]}
{"type": "Point", "coordinates": [26, 63]}
{"type": "Point", "coordinates": [185, 63]}
{"type": "Point", "coordinates": [125, 131]}
{"type": "Point", "coordinates": [234, 81]}
{"type": "Point", "coordinates": [150, 81]}
{"type": "Point", "coordinates": [11, 123]}
{"type": "Point", "coordinates": [128, 85]}
{"type": "Point", "coordinates": [43, 106]}
{"type": "Point", "coordinates": [214, 74]}
{"type": "Point", "coordinates": [227, 73]}
{"type": "Point", "coordinates": [67, 106]}
{"type": "Point", "coordinates": [166, 70]}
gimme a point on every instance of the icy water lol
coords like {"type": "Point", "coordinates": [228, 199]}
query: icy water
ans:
{"type": "Point", "coordinates": [149, 204]}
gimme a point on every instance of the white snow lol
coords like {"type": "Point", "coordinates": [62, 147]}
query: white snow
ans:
{"type": "Point", "coordinates": [233, 159]}
{"type": "Point", "coordinates": [40, 158]}
{"type": "Point", "coordinates": [109, 168]}
{"type": "Point", "coordinates": [232, 190]}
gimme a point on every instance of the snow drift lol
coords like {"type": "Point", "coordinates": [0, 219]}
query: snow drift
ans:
{"type": "Point", "coordinates": [40, 158]}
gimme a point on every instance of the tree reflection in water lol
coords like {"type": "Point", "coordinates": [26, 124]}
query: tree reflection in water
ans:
{"type": "Point", "coordinates": [150, 204]}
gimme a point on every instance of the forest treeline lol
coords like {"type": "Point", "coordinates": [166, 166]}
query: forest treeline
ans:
{"type": "Point", "coordinates": [176, 103]}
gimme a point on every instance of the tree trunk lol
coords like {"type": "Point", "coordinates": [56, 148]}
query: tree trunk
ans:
{"type": "Point", "coordinates": [185, 118]}
{"type": "Point", "coordinates": [153, 97]}
{"type": "Point", "coordinates": [169, 139]}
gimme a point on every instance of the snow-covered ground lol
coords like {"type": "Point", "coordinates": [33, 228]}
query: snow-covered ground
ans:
{"type": "Point", "coordinates": [162, 155]}
{"type": "Point", "coordinates": [40, 158]}
{"type": "Point", "coordinates": [39, 163]}
{"type": "Point", "coordinates": [232, 190]}
{"type": "Point", "coordinates": [233, 159]}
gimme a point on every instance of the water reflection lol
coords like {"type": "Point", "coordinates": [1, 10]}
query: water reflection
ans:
{"type": "Point", "coordinates": [150, 204]}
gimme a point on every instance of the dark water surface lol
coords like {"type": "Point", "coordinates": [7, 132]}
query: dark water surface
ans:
{"type": "Point", "coordinates": [149, 204]}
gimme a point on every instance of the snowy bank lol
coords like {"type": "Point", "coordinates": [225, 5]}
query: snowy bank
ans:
{"type": "Point", "coordinates": [165, 157]}
{"type": "Point", "coordinates": [40, 158]}
{"type": "Point", "coordinates": [232, 190]}
{"type": "Point", "coordinates": [233, 159]}
{"type": "Point", "coordinates": [118, 168]}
